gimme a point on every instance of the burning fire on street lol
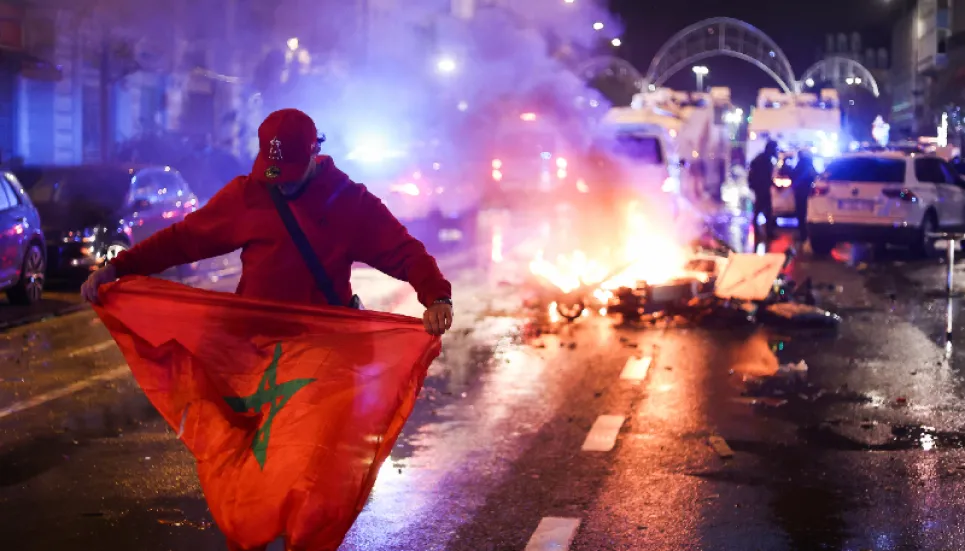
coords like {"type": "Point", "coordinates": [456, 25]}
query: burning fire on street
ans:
{"type": "Point", "coordinates": [650, 254]}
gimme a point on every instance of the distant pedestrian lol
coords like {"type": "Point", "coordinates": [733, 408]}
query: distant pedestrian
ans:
{"type": "Point", "coordinates": [760, 179]}
{"type": "Point", "coordinates": [802, 180]}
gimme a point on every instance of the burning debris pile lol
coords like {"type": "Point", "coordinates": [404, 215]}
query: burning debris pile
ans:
{"type": "Point", "coordinates": [661, 279]}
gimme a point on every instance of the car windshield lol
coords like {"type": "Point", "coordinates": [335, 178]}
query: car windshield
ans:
{"type": "Point", "coordinates": [103, 189]}
{"type": "Point", "coordinates": [867, 169]}
{"type": "Point", "coordinates": [642, 149]}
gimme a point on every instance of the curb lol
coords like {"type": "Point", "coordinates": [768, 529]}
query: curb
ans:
{"type": "Point", "coordinates": [39, 317]}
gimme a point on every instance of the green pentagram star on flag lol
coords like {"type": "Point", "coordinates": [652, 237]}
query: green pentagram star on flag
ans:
{"type": "Point", "coordinates": [270, 394]}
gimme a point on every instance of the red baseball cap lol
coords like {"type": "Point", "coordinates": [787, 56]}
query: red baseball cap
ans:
{"type": "Point", "coordinates": [287, 142]}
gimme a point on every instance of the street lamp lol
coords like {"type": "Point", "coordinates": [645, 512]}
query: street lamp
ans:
{"type": "Point", "coordinates": [446, 65]}
{"type": "Point", "coordinates": [701, 72]}
{"type": "Point", "coordinates": [598, 26]}
{"type": "Point", "coordinates": [809, 82]}
{"type": "Point", "coordinates": [292, 44]}
{"type": "Point", "coordinates": [616, 42]}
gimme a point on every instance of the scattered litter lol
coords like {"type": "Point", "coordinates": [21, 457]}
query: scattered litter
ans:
{"type": "Point", "coordinates": [720, 446]}
{"type": "Point", "coordinates": [901, 401]}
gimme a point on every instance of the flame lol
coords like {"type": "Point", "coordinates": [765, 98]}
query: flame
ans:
{"type": "Point", "coordinates": [650, 254]}
{"type": "Point", "coordinates": [569, 272]}
{"type": "Point", "coordinates": [497, 246]}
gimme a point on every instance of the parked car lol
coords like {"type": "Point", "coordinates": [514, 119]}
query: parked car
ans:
{"type": "Point", "coordinates": [22, 258]}
{"type": "Point", "coordinates": [92, 213]}
{"type": "Point", "coordinates": [885, 198]}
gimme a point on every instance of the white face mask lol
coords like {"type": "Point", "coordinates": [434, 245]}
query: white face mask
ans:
{"type": "Point", "coordinates": [292, 188]}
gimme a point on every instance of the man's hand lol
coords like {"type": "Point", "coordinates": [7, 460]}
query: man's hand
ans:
{"type": "Point", "coordinates": [104, 275]}
{"type": "Point", "coordinates": [438, 318]}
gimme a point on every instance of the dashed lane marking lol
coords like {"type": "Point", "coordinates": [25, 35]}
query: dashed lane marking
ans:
{"type": "Point", "coordinates": [636, 369]}
{"type": "Point", "coordinates": [553, 534]}
{"type": "Point", "coordinates": [92, 349]}
{"type": "Point", "coordinates": [603, 435]}
{"type": "Point", "coordinates": [720, 446]}
{"type": "Point", "coordinates": [41, 399]}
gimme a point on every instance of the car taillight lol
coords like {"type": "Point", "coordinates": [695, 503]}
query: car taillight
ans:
{"type": "Point", "coordinates": [820, 190]}
{"type": "Point", "coordinates": [782, 182]}
{"type": "Point", "coordinates": [900, 194]}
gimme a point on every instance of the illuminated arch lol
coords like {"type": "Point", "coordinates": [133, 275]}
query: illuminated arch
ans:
{"type": "Point", "coordinates": [721, 36]}
{"type": "Point", "coordinates": [841, 72]}
{"type": "Point", "coordinates": [609, 67]}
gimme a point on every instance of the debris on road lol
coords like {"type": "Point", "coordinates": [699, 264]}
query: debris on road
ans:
{"type": "Point", "coordinates": [713, 283]}
{"type": "Point", "coordinates": [720, 446]}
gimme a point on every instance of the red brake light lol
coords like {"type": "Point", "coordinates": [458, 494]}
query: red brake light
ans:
{"type": "Point", "coordinates": [900, 194]}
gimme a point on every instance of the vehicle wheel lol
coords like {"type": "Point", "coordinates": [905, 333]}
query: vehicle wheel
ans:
{"type": "Point", "coordinates": [822, 246]}
{"type": "Point", "coordinates": [571, 311]}
{"type": "Point", "coordinates": [925, 247]}
{"type": "Point", "coordinates": [115, 249]}
{"type": "Point", "coordinates": [30, 288]}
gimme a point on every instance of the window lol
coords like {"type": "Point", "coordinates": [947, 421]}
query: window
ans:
{"type": "Point", "coordinates": [157, 185]}
{"type": "Point", "coordinates": [930, 170]}
{"type": "Point", "coordinates": [5, 197]}
{"type": "Point", "coordinates": [866, 169]}
{"type": "Point", "coordinates": [645, 149]}
{"type": "Point", "coordinates": [12, 196]}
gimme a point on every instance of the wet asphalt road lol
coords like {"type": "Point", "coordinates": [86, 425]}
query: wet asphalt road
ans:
{"type": "Point", "coordinates": [866, 455]}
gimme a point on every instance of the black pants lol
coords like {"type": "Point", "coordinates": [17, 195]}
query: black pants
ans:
{"type": "Point", "coordinates": [801, 211]}
{"type": "Point", "coordinates": [763, 205]}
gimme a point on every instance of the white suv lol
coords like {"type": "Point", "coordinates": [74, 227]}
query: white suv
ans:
{"type": "Point", "coordinates": [884, 198]}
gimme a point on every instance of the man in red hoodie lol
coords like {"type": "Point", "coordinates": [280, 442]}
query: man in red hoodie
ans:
{"type": "Point", "coordinates": [342, 221]}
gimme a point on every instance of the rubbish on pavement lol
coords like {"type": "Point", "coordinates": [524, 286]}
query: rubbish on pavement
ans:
{"type": "Point", "coordinates": [720, 446]}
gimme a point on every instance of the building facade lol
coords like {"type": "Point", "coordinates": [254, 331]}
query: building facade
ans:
{"type": "Point", "coordinates": [85, 86]}
{"type": "Point", "coordinates": [919, 55]}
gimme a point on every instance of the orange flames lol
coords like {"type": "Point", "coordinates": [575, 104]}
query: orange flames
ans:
{"type": "Point", "coordinates": [650, 253]}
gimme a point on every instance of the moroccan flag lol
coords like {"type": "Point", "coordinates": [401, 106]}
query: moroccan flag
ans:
{"type": "Point", "coordinates": [289, 410]}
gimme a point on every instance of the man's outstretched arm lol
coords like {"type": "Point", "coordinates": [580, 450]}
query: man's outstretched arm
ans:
{"type": "Point", "coordinates": [381, 241]}
{"type": "Point", "coordinates": [205, 233]}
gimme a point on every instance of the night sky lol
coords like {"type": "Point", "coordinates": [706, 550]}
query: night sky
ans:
{"type": "Point", "coordinates": [798, 27]}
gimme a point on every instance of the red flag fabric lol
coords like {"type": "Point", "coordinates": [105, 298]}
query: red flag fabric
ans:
{"type": "Point", "coordinates": [289, 410]}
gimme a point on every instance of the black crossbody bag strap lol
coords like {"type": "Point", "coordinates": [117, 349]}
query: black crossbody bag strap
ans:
{"type": "Point", "coordinates": [322, 281]}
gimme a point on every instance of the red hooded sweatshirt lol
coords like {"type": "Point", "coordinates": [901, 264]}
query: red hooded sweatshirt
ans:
{"type": "Point", "coordinates": [351, 226]}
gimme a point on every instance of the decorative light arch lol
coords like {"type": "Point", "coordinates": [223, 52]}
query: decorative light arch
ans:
{"type": "Point", "coordinates": [841, 72]}
{"type": "Point", "coordinates": [611, 67]}
{"type": "Point", "coordinates": [721, 36]}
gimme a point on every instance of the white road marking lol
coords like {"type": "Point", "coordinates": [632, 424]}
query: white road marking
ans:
{"type": "Point", "coordinates": [92, 349]}
{"type": "Point", "coordinates": [603, 435]}
{"type": "Point", "coordinates": [553, 534]}
{"type": "Point", "coordinates": [720, 446]}
{"type": "Point", "coordinates": [41, 399]}
{"type": "Point", "coordinates": [636, 369]}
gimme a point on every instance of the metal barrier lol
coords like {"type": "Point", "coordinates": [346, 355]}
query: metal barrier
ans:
{"type": "Point", "coordinates": [952, 238]}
